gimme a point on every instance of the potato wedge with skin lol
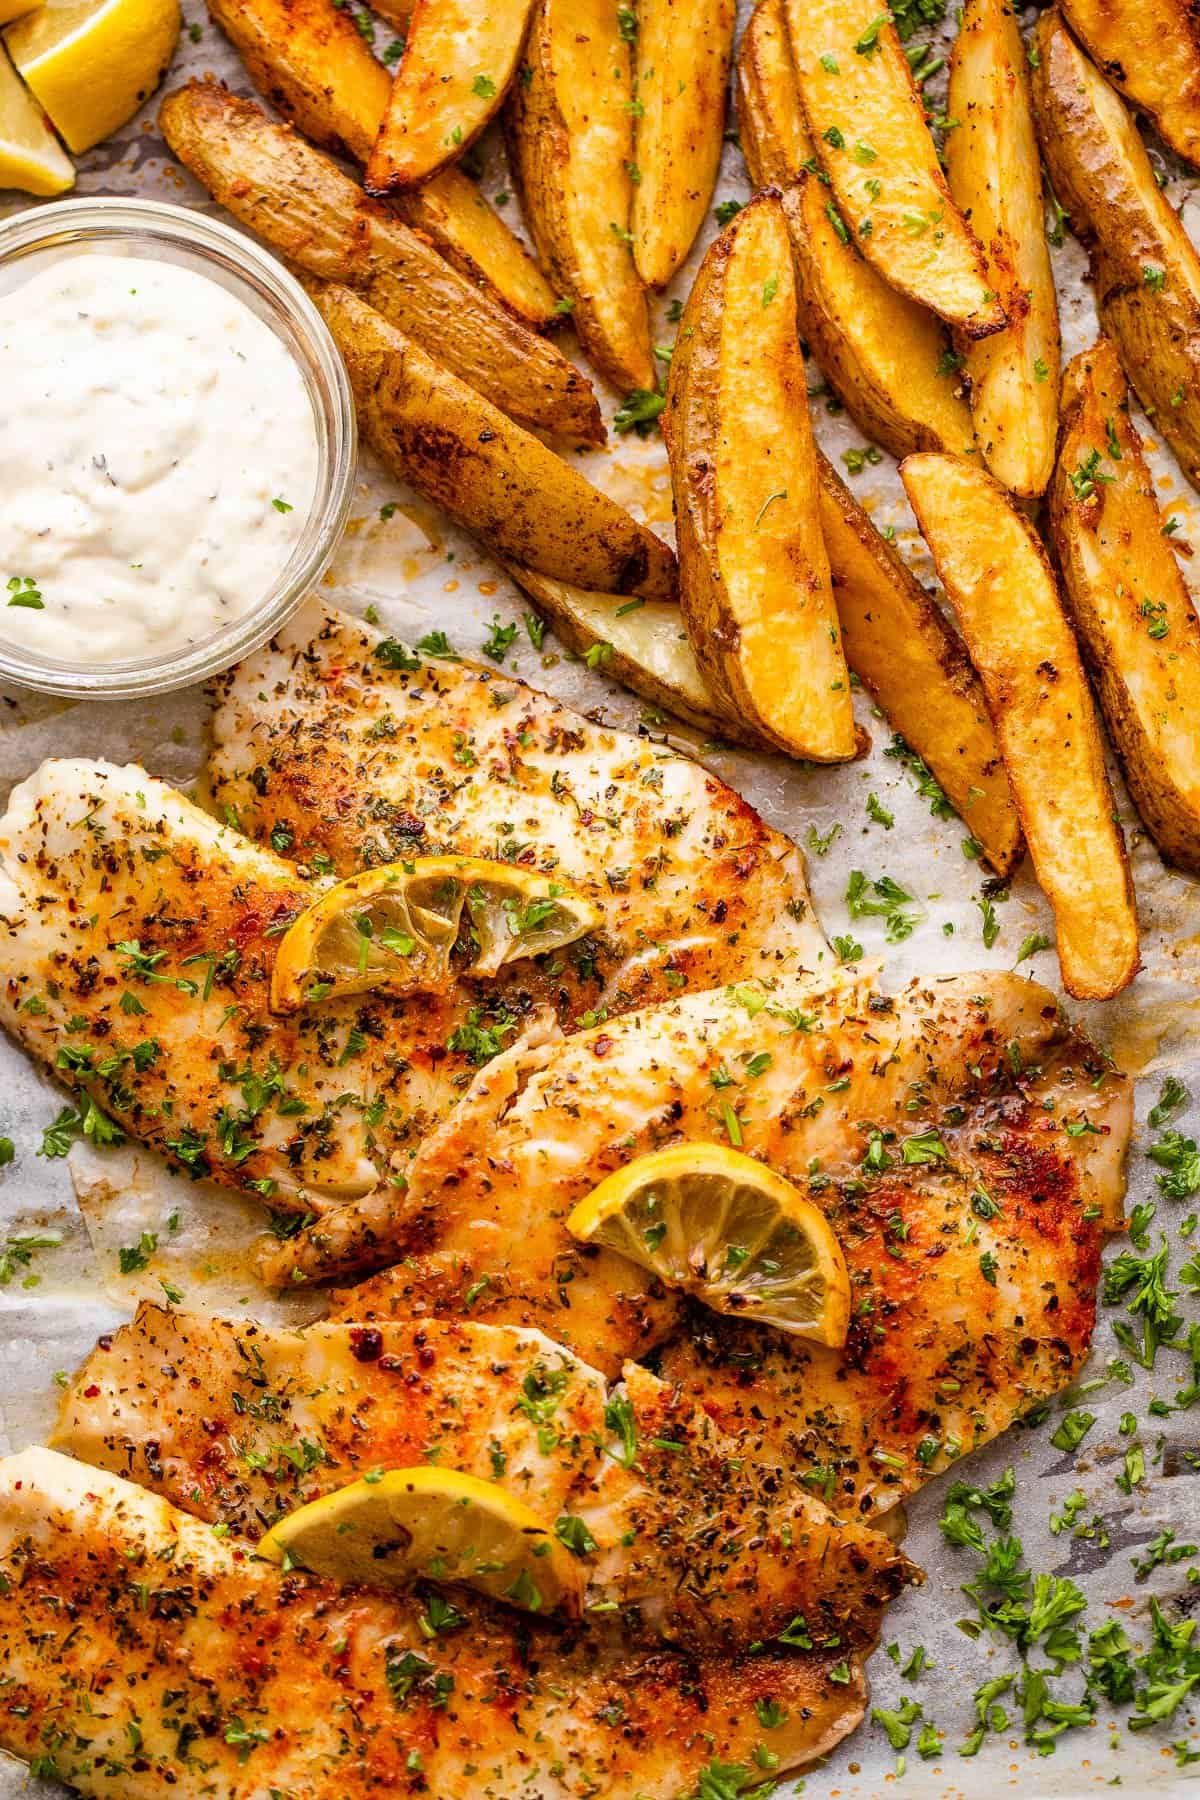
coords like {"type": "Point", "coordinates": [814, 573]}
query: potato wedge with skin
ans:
{"type": "Point", "coordinates": [684, 49]}
{"type": "Point", "coordinates": [459, 58]}
{"type": "Point", "coordinates": [1150, 49]}
{"type": "Point", "coordinates": [754, 580]}
{"type": "Point", "coordinates": [1132, 612]}
{"type": "Point", "coordinates": [569, 125]}
{"type": "Point", "coordinates": [1145, 270]}
{"type": "Point", "coordinates": [867, 122]}
{"type": "Point", "coordinates": [1006, 599]}
{"type": "Point", "coordinates": [900, 645]}
{"type": "Point", "coordinates": [304, 206]}
{"type": "Point", "coordinates": [500, 483]}
{"type": "Point", "coordinates": [996, 180]}
{"type": "Point", "coordinates": [886, 357]}
{"type": "Point", "coordinates": [309, 59]}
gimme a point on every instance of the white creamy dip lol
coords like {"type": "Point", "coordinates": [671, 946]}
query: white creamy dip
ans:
{"type": "Point", "coordinates": [158, 459]}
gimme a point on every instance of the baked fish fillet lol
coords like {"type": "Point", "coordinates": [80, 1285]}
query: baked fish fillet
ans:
{"type": "Point", "coordinates": [145, 1658]}
{"type": "Point", "coordinates": [240, 1424]}
{"type": "Point", "coordinates": [965, 1142]}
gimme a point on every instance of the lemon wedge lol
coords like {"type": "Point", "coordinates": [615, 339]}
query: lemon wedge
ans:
{"type": "Point", "coordinates": [31, 157]}
{"type": "Point", "coordinates": [392, 929]}
{"type": "Point", "coordinates": [438, 1524]}
{"type": "Point", "coordinates": [721, 1226]}
{"type": "Point", "coordinates": [92, 63]}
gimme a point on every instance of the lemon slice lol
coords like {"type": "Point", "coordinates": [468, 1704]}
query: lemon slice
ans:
{"type": "Point", "coordinates": [727, 1229]}
{"type": "Point", "coordinates": [92, 63]}
{"type": "Point", "coordinates": [31, 157]}
{"type": "Point", "coordinates": [392, 929]}
{"type": "Point", "coordinates": [433, 1523]}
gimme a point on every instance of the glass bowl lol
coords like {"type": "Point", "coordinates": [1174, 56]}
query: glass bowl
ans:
{"type": "Point", "coordinates": [32, 239]}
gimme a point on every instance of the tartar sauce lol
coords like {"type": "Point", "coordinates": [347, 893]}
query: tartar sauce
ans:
{"type": "Point", "coordinates": [158, 459]}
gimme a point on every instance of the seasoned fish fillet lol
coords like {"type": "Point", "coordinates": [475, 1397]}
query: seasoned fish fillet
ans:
{"type": "Point", "coordinates": [240, 1424]}
{"type": "Point", "coordinates": [145, 1658]}
{"type": "Point", "coordinates": [965, 1143]}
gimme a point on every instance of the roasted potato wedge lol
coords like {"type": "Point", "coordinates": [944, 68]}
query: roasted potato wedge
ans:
{"type": "Point", "coordinates": [309, 59]}
{"type": "Point", "coordinates": [1132, 611]}
{"type": "Point", "coordinates": [1150, 49]}
{"type": "Point", "coordinates": [996, 180]}
{"type": "Point", "coordinates": [1144, 268]}
{"type": "Point", "coordinates": [1007, 602]}
{"type": "Point", "coordinates": [887, 357]}
{"type": "Point", "coordinates": [497, 481]}
{"type": "Point", "coordinates": [898, 642]}
{"type": "Point", "coordinates": [569, 122]}
{"type": "Point", "coordinates": [754, 579]}
{"type": "Point", "coordinates": [307, 208]}
{"type": "Point", "coordinates": [640, 643]}
{"type": "Point", "coordinates": [459, 58]}
{"type": "Point", "coordinates": [682, 71]}
{"type": "Point", "coordinates": [867, 122]}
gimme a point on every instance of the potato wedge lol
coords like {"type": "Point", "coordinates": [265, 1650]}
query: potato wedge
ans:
{"type": "Point", "coordinates": [1002, 589]}
{"type": "Point", "coordinates": [900, 645]}
{"type": "Point", "coordinates": [640, 643]}
{"type": "Point", "coordinates": [684, 49]}
{"type": "Point", "coordinates": [867, 122]}
{"type": "Point", "coordinates": [1132, 612]}
{"type": "Point", "coordinates": [1150, 49]}
{"type": "Point", "coordinates": [304, 205]}
{"type": "Point", "coordinates": [996, 180]}
{"type": "Point", "coordinates": [754, 580]}
{"type": "Point", "coordinates": [886, 357]}
{"type": "Point", "coordinates": [1145, 271]}
{"type": "Point", "coordinates": [569, 121]}
{"type": "Point", "coordinates": [309, 59]}
{"type": "Point", "coordinates": [459, 58]}
{"type": "Point", "coordinates": [497, 481]}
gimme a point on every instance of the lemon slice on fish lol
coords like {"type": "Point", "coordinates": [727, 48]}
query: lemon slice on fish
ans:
{"type": "Point", "coordinates": [392, 929]}
{"type": "Point", "coordinates": [727, 1229]}
{"type": "Point", "coordinates": [439, 1524]}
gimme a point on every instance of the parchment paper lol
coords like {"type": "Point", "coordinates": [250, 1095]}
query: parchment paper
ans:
{"type": "Point", "coordinates": [417, 571]}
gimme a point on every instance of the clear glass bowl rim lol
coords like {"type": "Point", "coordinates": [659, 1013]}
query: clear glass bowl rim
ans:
{"type": "Point", "coordinates": [65, 224]}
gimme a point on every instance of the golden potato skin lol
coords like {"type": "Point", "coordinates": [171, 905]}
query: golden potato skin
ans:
{"type": "Point", "coordinates": [867, 123]}
{"type": "Point", "coordinates": [499, 482]}
{"type": "Point", "coordinates": [304, 206]}
{"type": "Point", "coordinates": [681, 76]}
{"type": "Point", "coordinates": [1131, 609]}
{"type": "Point", "coordinates": [885, 356]}
{"type": "Point", "coordinates": [996, 180]}
{"type": "Point", "coordinates": [1150, 49]}
{"type": "Point", "coordinates": [308, 58]}
{"type": "Point", "coordinates": [1145, 270]}
{"type": "Point", "coordinates": [754, 579]}
{"type": "Point", "coordinates": [1004, 594]}
{"type": "Point", "coordinates": [569, 127]}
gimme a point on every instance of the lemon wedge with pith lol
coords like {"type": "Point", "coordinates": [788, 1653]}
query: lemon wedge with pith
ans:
{"type": "Point", "coordinates": [31, 157]}
{"type": "Point", "coordinates": [92, 63]}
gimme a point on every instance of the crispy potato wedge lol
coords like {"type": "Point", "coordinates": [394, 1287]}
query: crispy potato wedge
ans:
{"type": "Point", "coordinates": [867, 122]}
{"type": "Point", "coordinates": [1132, 611]}
{"type": "Point", "coordinates": [1007, 602]}
{"type": "Point", "coordinates": [459, 58]}
{"type": "Point", "coordinates": [569, 121]}
{"type": "Point", "coordinates": [1150, 49]}
{"type": "Point", "coordinates": [1145, 271]}
{"type": "Point", "coordinates": [307, 208]}
{"type": "Point", "coordinates": [996, 180]}
{"type": "Point", "coordinates": [309, 59]}
{"type": "Point", "coordinates": [684, 49]}
{"type": "Point", "coordinates": [640, 643]}
{"type": "Point", "coordinates": [754, 579]}
{"type": "Point", "coordinates": [497, 481]}
{"type": "Point", "coordinates": [886, 357]}
{"type": "Point", "coordinates": [901, 646]}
